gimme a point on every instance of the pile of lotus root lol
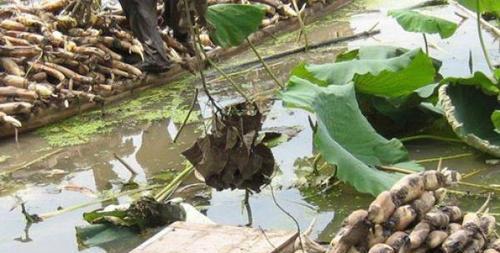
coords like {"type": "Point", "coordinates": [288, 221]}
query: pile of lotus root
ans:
{"type": "Point", "coordinates": [409, 218]}
{"type": "Point", "coordinates": [48, 59]}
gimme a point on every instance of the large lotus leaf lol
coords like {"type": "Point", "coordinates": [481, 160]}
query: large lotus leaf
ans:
{"type": "Point", "coordinates": [378, 53]}
{"type": "Point", "coordinates": [301, 70]}
{"type": "Point", "coordinates": [479, 79]}
{"type": "Point", "coordinates": [300, 93]}
{"type": "Point", "coordinates": [391, 77]}
{"type": "Point", "coordinates": [232, 23]}
{"type": "Point", "coordinates": [419, 73]}
{"type": "Point", "coordinates": [484, 5]}
{"type": "Point", "coordinates": [413, 21]}
{"type": "Point", "coordinates": [344, 136]}
{"type": "Point", "coordinates": [406, 102]}
{"type": "Point", "coordinates": [371, 53]}
{"type": "Point", "coordinates": [468, 110]}
{"type": "Point", "coordinates": [396, 108]}
{"type": "Point", "coordinates": [406, 109]}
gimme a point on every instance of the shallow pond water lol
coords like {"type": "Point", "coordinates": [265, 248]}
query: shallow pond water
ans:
{"type": "Point", "coordinates": [92, 168]}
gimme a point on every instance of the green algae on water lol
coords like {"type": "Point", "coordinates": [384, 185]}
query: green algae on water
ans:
{"type": "Point", "coordinates": [149, 106]}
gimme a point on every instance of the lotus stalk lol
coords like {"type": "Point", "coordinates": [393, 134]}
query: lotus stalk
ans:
{"type": "Point", "coordinates": [248, 208]}
{"type": "Point", "coordinates": [480, 35]}
{"type": "Point", "coordinates": [302, 25]}
{"type": "Point", "coordinates": [266, 67]}
{"type": "Point", "coordinates": [426, 44]}
{"type": "Point", "coordinates": [170, 188]}
{"type": "Point", "coordinates": [49, 215]}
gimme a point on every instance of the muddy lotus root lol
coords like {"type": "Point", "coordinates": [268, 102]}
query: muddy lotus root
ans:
{"type": "Point", "coordinates": [408, 218]}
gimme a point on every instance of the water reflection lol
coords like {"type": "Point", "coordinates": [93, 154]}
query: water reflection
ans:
{"type": "Point", "coordinates": [158, 139]}
{"type": "Point", "coordinates": [92, 167]}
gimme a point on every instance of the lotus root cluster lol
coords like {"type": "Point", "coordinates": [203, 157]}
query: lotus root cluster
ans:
{"type": "Point", "coordinates": [407, 218]}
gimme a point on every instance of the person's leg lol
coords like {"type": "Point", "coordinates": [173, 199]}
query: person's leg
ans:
{"type": "Point", "coordinates": [172, 15]}
{"type": "Point", "coordinates": [142, 18]}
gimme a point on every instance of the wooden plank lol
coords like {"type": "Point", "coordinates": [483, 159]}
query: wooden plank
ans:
{"type": "Point", "coordinates": [53, 114]}
{"type": "Point", "coordinates": [212, 238]}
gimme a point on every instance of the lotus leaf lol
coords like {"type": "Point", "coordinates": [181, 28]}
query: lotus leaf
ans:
{"type": "Point", "coordinates": [231, 24]}
{"type": "Point", "coordinates": [413, 21]}
{"type": "Point", "coordinates": [344, 136]}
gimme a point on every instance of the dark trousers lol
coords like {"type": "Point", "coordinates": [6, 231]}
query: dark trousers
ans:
{"type": "Point", "coordinates": [143, 21]}
{"type": "Point", "coordinates": [172, 16]}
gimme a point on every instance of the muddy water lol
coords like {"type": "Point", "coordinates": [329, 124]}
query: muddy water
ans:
{"type": "Point", "coordinates": [148, 148]}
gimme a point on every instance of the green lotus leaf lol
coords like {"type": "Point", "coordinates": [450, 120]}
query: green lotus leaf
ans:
{"type": "Point", "coordinates": [413, 21]}
{"type": "Point", "coordinates": [371, 53]}
{"type": "Point", "coordinates": [231, 24]}
{"type": "Point", "coordinates": [469, 111]}
{"type": "Point", "coordinates": [373, 74]}
{"type": "Point", "coordinates": [479, 79]}
{"type": "Point", "coordinates": [344, 136]}
{"type": "Point", "coordinates": [492, 6]}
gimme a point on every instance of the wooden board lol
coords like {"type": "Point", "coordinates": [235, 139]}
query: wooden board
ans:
{"type": "Point", "coordinates": [54, 114]}
{"type": "Point", "coordinates": [181, 237]}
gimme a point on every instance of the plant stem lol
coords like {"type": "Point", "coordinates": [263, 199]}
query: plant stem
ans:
{"type": "Point", "coordinates": [159, 197]}
{"type": "Point", "coordinates": [396, 169]}
{"type": "Point", "coordinates": [266, 67]}
{"type": "Point", "coordinates": [49, 215]}
{"type": "Point", "coordinates": [471, 63]}
{"type": "Point", "coordinates": [467, 194]}
{"type": "Point", "coordinates": [127, 166]}
{"type": "Point", "coordinates": [289, 215]}
{"type": "Point", "coordinates": [302, 25]}
{"type": "Point", "coordinates": [16, 136]}
{"type": "Point", "coordinates": [28, 164]}
{"type": "Point", "coordinates": [232, 74]}
{"type": "Point", "coordinates": [191, 108]}
{"type": "Point", "coordinates": [229, 79]}
{"type": "Point", "coordinates": [405, 171]}
{"type": "Point", "coordinates": [426, 44]}
{"type": "Point", "coordinates": [485, 205]}
{"type": "Point", "coordinates": [326, 43]}
{"type": "Point", "coordinates": [480, 186]}
{"type": "Point", "coordinates": [473, 173]}
{"type": "Point", "coordinates": [168, 189]}
{"type": "Point", "coordinates": [246, 202]}
{"type": "Point", "coordinates": [481, 39]}
{"type": "Point", "coordinates": [241, 72]}
{"type": "Point", "coordinates": [445, 158]}
{"type": "Point", "coordinates": [428, 136]}
{"type": "Point", "coordinates": [263, 94]}
{"type": "Point", "coordinates": [195, 37]}
{"type": "Point", "coordinates": [316, 160]}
